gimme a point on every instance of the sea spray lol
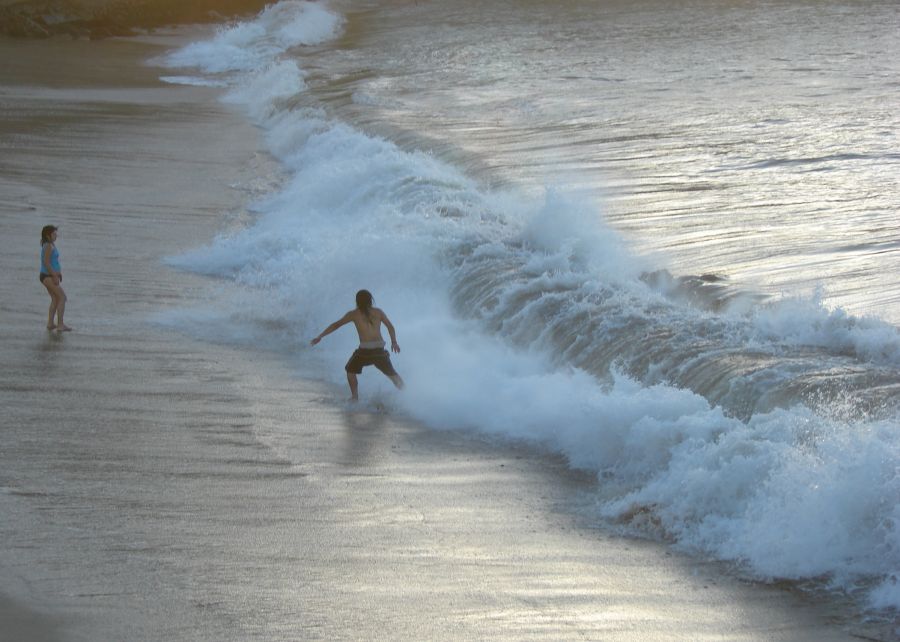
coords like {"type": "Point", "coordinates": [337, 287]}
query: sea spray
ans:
{"type": "Point", "coordinates": [250, 46]}
{"type": "Point", "coordinates": [714, 426]}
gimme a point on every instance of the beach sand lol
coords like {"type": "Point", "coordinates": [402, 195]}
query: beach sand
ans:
{"type": "Point", "coordinates": [157, 487]}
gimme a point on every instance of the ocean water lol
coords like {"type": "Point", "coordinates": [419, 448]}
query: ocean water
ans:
{"type": "Point", "coordinates": [659, 238]}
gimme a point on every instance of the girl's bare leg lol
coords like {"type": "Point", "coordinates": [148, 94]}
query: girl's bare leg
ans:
{"type": "Point", "coordinates": [57, 306]}
{"type": "Point", "coordinates": [60, 311]}
{"type": "Point", "coordinates": [51, 314]}
{"type": "Point", "coordinates": [48, 283]}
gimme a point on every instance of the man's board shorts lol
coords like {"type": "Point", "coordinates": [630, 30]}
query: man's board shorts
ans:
{"type": "Point", "coordinates": [378, 357]}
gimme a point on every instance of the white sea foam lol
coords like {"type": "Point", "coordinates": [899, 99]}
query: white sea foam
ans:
{"type": "Point", "coordinates": [249, 46]}
{"type": "Point", "coordinates": [807, 322]}
{"type": "Point", "coordinates": [786, 493]}
{"type": "Point", "coordinates": [196, 81]}
{"type": "Point", "coordinates": [261, 90]}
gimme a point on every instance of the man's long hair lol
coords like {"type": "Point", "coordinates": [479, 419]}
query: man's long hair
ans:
{"type": "Point", "coordinates": [364, 302]}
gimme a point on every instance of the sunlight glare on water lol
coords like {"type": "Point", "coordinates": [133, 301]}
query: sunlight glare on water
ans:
{"type": "Point", "coordinates": [756, 141]}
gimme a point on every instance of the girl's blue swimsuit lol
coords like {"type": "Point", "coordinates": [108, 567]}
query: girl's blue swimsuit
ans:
{"type": "Point", "coordinates": [54, 262]}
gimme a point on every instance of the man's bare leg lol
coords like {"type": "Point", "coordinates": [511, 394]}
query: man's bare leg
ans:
{"type": "Point", "coordinates": [354, 386]}
{"type": "Point", "coordinates": [397, 381]}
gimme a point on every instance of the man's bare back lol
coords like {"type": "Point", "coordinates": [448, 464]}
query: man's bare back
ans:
{"type": "Point", "coordinates": [368, 327]}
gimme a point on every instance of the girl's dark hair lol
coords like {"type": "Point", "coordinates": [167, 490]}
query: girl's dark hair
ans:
{"type": "Point", "coordinates": [364, 303]}
{"type": "Point", "coordinates": [46, 231]}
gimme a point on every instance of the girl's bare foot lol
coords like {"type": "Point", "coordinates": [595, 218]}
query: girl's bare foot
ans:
{"type": "Point", "coordinates": [51, 327]}
{"type": "Point", "coordinates": [63, 328]}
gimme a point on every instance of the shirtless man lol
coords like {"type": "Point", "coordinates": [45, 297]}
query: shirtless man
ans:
{"type": "Point", "coordinates": [371, 352]}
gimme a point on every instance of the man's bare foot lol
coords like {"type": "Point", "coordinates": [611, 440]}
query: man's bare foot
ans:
{"type": "Point", "coordinates": [63, 328]}
{"type": "Point", "coordinates": [353, 399]}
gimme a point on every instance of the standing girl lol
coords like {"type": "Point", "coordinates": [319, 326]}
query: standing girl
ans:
{"type": "Point", "coordinates": [51, 278]}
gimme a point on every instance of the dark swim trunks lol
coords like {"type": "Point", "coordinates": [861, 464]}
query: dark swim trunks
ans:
{"type": "Point", "coordinates": [45, 276]}
{"type": "Point", "coordinates": [378, 357]}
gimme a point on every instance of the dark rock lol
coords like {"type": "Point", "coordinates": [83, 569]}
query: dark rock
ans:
{"type": "Point", "coordinates": [28, 28]}
{"type": "Point", "coordinates": [42, 18]}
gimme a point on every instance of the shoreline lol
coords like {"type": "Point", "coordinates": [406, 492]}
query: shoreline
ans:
{"type": "Point", "coordinates": [172, 489]}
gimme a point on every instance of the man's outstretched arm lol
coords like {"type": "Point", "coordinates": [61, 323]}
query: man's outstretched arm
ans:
{"type": "Point", "coordinates": [344, 320]}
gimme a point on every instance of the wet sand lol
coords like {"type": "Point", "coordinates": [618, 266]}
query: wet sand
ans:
{"type": "Point", "coordinates": [156, 487]}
